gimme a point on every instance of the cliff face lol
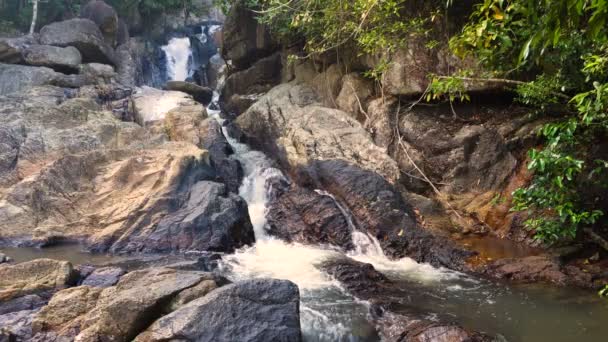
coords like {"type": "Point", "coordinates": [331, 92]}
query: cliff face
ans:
{"type": "Point", "coordinates": [455, 165]}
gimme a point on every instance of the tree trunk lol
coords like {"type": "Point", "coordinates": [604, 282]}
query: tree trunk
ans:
{"type": "Point", "coordinates": [34, 17]}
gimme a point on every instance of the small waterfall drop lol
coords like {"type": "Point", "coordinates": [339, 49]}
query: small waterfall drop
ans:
{"type": "Point", "coordinates": [179, 58]}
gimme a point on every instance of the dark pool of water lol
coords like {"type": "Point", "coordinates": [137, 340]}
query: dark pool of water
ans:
{"type": "Point", "coordinates": [72, 253]}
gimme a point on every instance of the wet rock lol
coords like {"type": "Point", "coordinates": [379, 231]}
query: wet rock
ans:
{"type": "Point", "coordinates": [11, 49]}
{"type": "Point", "coordinates": [401, 328]}
{"type": "Point", "coordinates": [200, 94]}
{"type": "Point", "coordinates": [64, 60]}
{"type": "Point", "coordinates": [259, 78]}
{"type": "Point", "coordinates": [379, 209]}
{"type": "Point", "coordinates": [360, 279]}
{"type": "Point", "coordinates": [104, 277]}
{"type": "Point", "coordinates": [304, 216]}
{"type": "Point", "coordinates": [82, 34]}
{"type": "Point", "coordinates": [105, 17]}
{"type": "Point", "coordinates": [528, 270]}
{"type": "Point", "coordinates": [34, 276]}
{"type": "Point", "coordinates": [245, 40]}
{"type": "Point", "coordinates": [17, 78]}
{"type": "Point", "coordinates": [228, 170]}
{"type": "Point", "coordinates": [263, 309]}
{"type": "Point", "coordinates": [216, 68]}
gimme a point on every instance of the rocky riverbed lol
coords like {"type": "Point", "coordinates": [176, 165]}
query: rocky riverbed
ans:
{"type": "Point", "coordinates": [137, 203]}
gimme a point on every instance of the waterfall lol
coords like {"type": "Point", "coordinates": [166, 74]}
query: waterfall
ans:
{"type": "Point", "coordinates": [179, 58]}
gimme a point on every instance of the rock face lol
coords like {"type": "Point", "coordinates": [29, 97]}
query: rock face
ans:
{"type": "Point", "coordinates": [257, 79]}
{"type": "Point", "coordinates": [292, 125]}
{"type": "Point", "coordinates": [245, 40]}
{"type": "Point", "coordinates": [55, 147]}
{"type": "Point", "coordinates": [229, 170]}
{"type": "Point", "coordinates": [84, 35]}
{"type": "Point", "coordinates": [105, 17]}
{"type": "Point", "coordinates": [64, 60]}
{"type": "Point", "coordinates": [17, 78]}
{"type": "Point", "coordinates": [328, 150]}
{"type": "Point", "coordinates": [153, 105]}
{"type": "Point", "coordinates": [34, 276]}
{"type": "Point", "coordinates": [262, 309]}
{"type": "Point", "coordinates": [200, 94]}
{"type": "Point", "coordinates": [103, 277]}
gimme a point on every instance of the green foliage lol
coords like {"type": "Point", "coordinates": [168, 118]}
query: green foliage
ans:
{"type": "Point", "coordinates": [370, 26]}
{"type": "Point", "coordinates": [604, 292]}
{"type": "Point", "coordinates": [563, 43]}
{"type": "Point", "coordinates": [451, 88]}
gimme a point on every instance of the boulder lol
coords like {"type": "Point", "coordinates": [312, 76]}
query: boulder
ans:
{"type": "Point", "coordinates": [259, 78]}
{"type": "Point", "coordinates": [34, 276]}
{"type": "Point", "coordinates": [185, 123]}
{"type": "Point", "coordinates": [103, 277]}
{"type": "Point", "coordinates": [304, 216]}
{"type": "Point", "coordinates": [290, 124]}
{"type": "Point", "coordinates": [245, 40]}
{"type": "Point", "coordinates": [262, 309]}
{"type": "Point", "coordinates": [327, 84]}
{"type": "Point", "coordinates": [530, 269]}
{"type": "Point", "coordinates": [210, 220]}
{"type": "Point", "coordinates": [105, 17]}
{"type": "Point", "coordinates": [84, 35]}
{"type": "Point", "coordinates": [64, 60]}
{"type": "Point", "coordinates": [200, 94]}
{"type": "Point", "coordinates": [122, 35]}
{"type": "Point", "coordinates": [229, 170]}
{"type": "Point", "coordinates": [98, 73]}
{"type": "Point", "coordinates": [11, 49]}
{"type": "Point", "coordinates": [17, 78]}
{"type": "Point", "coordinates": [117, 313]}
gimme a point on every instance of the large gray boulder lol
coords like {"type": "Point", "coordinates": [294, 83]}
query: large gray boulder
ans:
{"type": "Point", "coordinates": [211, 220]}
{"type": "Point", "coordinates": [16, 78]}
{"type": "Point", "coordinates": [249, 311]}
{"type": "Point", "coordinates": [11, 49]}
{"type": "Point", "coordinates": [105, 17]}
{"type": "Point", "coordinates": [64, 60]}
{"type": "Point", "coordinates": [84, 35]}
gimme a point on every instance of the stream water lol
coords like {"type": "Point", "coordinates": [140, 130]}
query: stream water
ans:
{"type": "Point", "coordinates": [328, 313]}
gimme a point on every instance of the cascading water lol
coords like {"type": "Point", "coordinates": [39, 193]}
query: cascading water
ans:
{"type": "Point", "coordinates": [327, 312]}
{"type": "Point", "coordinates": [179, 58]}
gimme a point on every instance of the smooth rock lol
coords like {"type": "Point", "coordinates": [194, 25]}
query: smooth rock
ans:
{"type": "Point", "coordinates": [64, 60]}
{"type": "Point", "coordinates": [153, 104]}
{"type": "Point", "coordinates": [262, 309]}
{"type": "Point", "coordinates": [82, 34]}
